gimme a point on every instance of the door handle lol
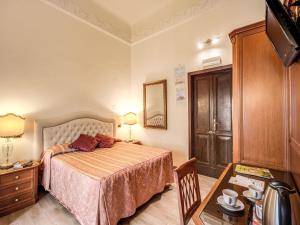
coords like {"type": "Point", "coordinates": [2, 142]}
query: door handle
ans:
{"type": "Point", "coordinates": [210, 132]}
{"type": "Point", "coordinates": [215, 124]}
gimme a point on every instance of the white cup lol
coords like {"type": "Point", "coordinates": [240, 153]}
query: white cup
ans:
{"type": "Point", "coordinates": [255, 192]}
{"type": "Point", "coordinates": [258, 209]}
{"type": "Point", "coordinates": [229, 197]}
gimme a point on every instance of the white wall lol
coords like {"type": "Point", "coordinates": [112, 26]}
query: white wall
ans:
{"type": "Point", "coordinates": [52, 65]}
{"type": "Point", "coordinates": [156, 58]}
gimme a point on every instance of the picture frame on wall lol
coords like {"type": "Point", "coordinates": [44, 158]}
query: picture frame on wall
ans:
{"type": "Point", "coordinates": [155, 104]}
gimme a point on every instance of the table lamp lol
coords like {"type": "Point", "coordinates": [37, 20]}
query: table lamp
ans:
{"type": "Point", "coordinates": [130, 119]}
{"type": "Point", "coordinates": [11, 126]}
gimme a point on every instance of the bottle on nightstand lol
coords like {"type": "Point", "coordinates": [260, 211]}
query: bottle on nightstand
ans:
{"type": "Point", "coordinates": [136, 142]}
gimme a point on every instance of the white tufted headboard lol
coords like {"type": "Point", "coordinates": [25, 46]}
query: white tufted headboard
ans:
{"type": "Point", "coordinates": [69, 130]}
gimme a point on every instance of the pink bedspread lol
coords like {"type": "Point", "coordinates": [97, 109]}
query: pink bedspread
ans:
{"type": "Point", "coordinates": [103, 186]}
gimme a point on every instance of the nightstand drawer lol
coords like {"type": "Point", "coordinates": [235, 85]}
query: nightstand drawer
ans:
{"type": "Point", "coordinates": [16, 177]}
{"type": "Point", "coordinates": [15, 189]}
{"type": "Point", "coordinates": [14, 200]}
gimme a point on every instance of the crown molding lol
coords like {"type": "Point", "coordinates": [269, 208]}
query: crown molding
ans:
{"type": "Point", "coordinates": [94, 16]}
{"type": "Point", "coordinates": [172, 15]}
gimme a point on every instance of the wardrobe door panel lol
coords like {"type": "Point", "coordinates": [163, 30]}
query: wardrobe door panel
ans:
{"type": "Point", "coordinates": [294, 139]}
{"type": "Point", "coordinates": [260, 96]}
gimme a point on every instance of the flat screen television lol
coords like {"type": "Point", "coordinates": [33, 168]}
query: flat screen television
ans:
{"type": "Point", "coordinates": [283, 31]}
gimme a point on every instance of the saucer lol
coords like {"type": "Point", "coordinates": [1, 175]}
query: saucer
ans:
{"type": "Point", "coordinates": [238, 207]}
{"type": "Point", "coordinates": [249, 197]}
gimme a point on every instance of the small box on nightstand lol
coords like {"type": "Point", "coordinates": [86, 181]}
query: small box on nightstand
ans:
{"type": "Point", "coordinates": [136, 142]}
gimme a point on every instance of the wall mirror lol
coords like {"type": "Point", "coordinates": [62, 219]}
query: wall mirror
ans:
{"type": "Point", "coordinates": [155, 104]}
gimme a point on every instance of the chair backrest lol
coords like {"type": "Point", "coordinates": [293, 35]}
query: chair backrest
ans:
{"type": "Point", "coordinates": [188, 190]}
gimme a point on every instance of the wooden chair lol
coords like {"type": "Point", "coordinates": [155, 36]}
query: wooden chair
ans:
{"type": "Point", "coordinates": [188, 190]}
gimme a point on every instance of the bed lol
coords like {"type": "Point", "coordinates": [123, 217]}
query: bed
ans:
{"type": "Point", "coordinates": [105, 185]}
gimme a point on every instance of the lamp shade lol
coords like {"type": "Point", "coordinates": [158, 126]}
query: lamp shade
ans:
{"type": "Point", "coordinates": [130, 118]}
{"type": "Point", "coordinates": [11, 126]}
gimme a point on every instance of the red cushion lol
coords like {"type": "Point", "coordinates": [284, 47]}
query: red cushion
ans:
{"type": "Point", "coordinates": [104, 141]}
{"type": "Point", "coordinates": [84, 143]}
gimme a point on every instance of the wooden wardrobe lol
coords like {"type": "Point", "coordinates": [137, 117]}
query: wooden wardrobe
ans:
{"type": "Point", "coordinates": [266, 103]}
{"type": "Point", "coordinates": [293, 73]}
{"type": "Point", "coordinates": [260, 105]}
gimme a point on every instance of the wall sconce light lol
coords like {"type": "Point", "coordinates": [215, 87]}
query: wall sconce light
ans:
{"type": "Point", "coordinates": [200, 45]}
{"type": "Point", "coordinates": [215, 40]}
{"type": "Point", "coordinates": [208, 42]}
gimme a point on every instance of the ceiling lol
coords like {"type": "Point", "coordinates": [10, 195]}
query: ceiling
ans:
{"type": "Point", "coordinates": [130, 21]}
{"type": "Point", "coordinates": [132, 11]}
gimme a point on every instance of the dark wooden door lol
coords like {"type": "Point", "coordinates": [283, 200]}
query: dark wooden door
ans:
{"type": "Point", "coordinates": [211, 121]}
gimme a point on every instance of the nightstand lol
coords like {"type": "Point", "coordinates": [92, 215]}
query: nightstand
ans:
{"type": "Point", "coordinates": [18, 188]}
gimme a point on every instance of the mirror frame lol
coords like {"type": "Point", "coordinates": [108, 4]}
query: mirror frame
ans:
{"type": "Point", "coordinates": [164, 83]}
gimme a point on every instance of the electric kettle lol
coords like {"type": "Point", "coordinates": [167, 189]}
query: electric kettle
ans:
{"type": "Point", "coordinates": [277, 205]}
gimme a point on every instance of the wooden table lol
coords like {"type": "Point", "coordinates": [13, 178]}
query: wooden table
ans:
{"type": "Point", "coordinates": [211, 213]}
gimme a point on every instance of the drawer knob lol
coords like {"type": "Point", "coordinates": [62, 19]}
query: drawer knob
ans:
{"type": "Point", "coordinates": [17, 188]}
{"type": "Point", "coordinates": [17, 177]}
{"type": "Point", "coordinates": [16, 200]}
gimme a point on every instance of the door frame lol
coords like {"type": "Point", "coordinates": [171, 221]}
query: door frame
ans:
{"type": "Point", "coordinates": [190, 96]}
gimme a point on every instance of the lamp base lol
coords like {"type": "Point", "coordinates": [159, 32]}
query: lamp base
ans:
{"type": "Point", "coordinates": [5, 166]}
{"type": "Point", "coordinates": [7, 149]}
